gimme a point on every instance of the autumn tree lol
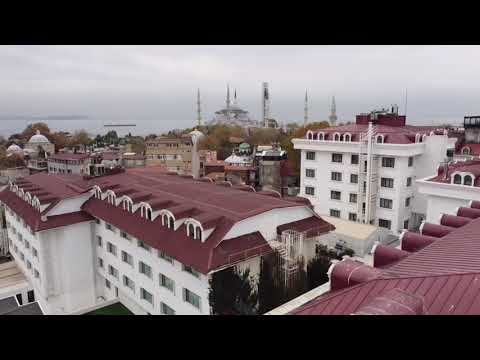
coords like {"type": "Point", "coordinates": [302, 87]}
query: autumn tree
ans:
{"type": "Point", "coordinates": [80, 138]}
{"type": "Point", "coordinates": [31, 130]}
{"type": "Point", "coordinates": [298, 133]}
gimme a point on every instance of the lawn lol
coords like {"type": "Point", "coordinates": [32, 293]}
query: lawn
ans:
{"type": "Point", "coordinates": [114, 309]}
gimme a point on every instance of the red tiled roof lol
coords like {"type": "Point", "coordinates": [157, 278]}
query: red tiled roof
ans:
{"type": "Point", "coordinates": [445, 273]}
{"type": "Point", "coordinates": [471, 166]}
{"type": "Point", "coordinates": [474, 149]}
{"type": "Point", "coordinates": [68, 156]}
{"type": "Point", "coordinates": [392, 134]}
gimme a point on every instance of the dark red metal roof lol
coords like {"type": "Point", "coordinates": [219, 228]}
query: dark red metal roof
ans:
{"type": "Point", "coordinates": [394, 302]}
{"type": "Point", "coordinates": [445, 274]}
{"type": "Point", "coordinates": [32, 216]}
{"type": "Point", "coordinates": [413, 242]}
{"type": "Point", "coordinates": [435, 230]}
{"type": "Point", "coordinates": [387, 255]}
{"type": "Point", "coordinates": [68, 157]}
{"type": "Point", "coordinates": [313, 226]}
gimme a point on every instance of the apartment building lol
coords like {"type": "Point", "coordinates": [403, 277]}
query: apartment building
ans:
{"type": "Point", "coordinates": [455, 185]}
{"type": "Point", "coordinates": [148, 239]}
{"type": "Point", "coordinates": [180, 155]}
{"type": "Point", "coordinates": [69, 163]}
{"type": "Point", "coordinates": [366, 171]}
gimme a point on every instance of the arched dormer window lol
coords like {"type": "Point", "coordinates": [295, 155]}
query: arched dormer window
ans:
{"type": "Point", "coordinates": [314, 136]}
{"type": "Point", "coordinates": [191, 230]}
{"type": "Point", "coordinates": [347, 137]}
{"type": "Point", "coordinates": [466, 150]}
{"type": "Point", "coordinates": [467, 180]}
{"type": "Point", "coordinates": [198, 233]}
{"type": "Point", "coordinates": [321, 136]}
{"type": "Point", "coordinates": [424, 137]}
{"type": "Point", "coordinates": [111, 198]}
{"type": "Point", "coordinates": [336, 137]}
{"type": "Point", "coordinates": [148, 214]}
{"type": "Point", "coordinates": [165, 220]}
{"type": "Point", "coordinates": [379, 139]}
{"type": "Point", "coordinates": [171, 223]}
{"type": "Point", "coordinates": [457, 179]}
{"type": "Point", "coordinates": [127, 205]}
{"type": "Point", "coordinates": [309, 135]}
{"type": "Point", "coordinates": [418, 138]}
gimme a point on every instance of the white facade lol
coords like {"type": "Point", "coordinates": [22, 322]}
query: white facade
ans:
{"type": "Point", "coordinates": [77, 268]}
{"type": "Point", "coordinates": [410, 161]}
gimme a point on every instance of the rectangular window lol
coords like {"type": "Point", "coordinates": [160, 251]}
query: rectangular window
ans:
{"type": "Point", "coordinates": [166, 310]}
{"type": "Point", "coordinates": [99, 241]}
{"type": "Point", "coordinates": [167, 283]}
{"type": "Point", "coordinates": [143, 245]}
{"type": "Point", "coordinates": [384, 223]}
{"type": "Point", "coordinates": [112, 271]}
{"type": "Point", "coordinates": [191, 298]}
{"type": "Point", "coordinates": [335, 195]}
{"type": "Point", "coordinates": [336, 176]}
{"type": "Point", "coordinates": [354, 178]}
{"type": "Point", "coordinates": [128, 283]}
{"type": "Point", "coordinates": [310, 155]}
{"type": "Point", "coordinates": [109, 227]}
{"type": "Point", "coordinates": [388, 162]}
{"type": "Point", "coordinates": [309, 190]}
{"type": "Point", "coordinates": [337, 158]}
{"type": "Point", "coordinates": [22, 256]}
{"type": "Point", "coordinates": [127, 258]}
{"type": "Point", "coordinates": [405, 224]}
{"type": "Point", "coordinates": [354, 159]}
{"type": "Point", "coordinates": [310, 173]}
{"type": "Point", "coordinates": [27, 244]}
{"type": "Point", "coordinates": [145, 295]}
{"type": "Point", "coordinates": [353, 198]}
{"type": "Point", "coordinates": [409, 181]}
{"type": "Point", "coordinates": [386, 203]}
{"type": "Point", "coordinates": [165, 257]}
{"type": "Point", "coordinates": [100, 262]}
{"type": "Point", "coordinates": [34, 252]}
{"type": "Point", "coordinates": [410, 161]}
{"type": "Point", "coordinates": [190, 270]}
{"type": "Point", "coordinates": [36, 274]}
{"type": "Point", "coordinates": [352, 216]}
{"type": "Point", "coordinates": [407, 202]}
{"type": "Point", "coordinates": [97, 221]}
{"type": "Point", "coordinates": [112, 249]}
{"type": "Point", "coordinates": [386, 182]}
{"type": "Point", "coordinates": [124, 235]}
{"type": "Point", "coordinates": [29, 264]}
{"type": "Point", "coordinates": [145, 269]}
{"type": "Point", "coordinates": [107, 284]}
{"type": "Point", "coordinates": [334, 213]}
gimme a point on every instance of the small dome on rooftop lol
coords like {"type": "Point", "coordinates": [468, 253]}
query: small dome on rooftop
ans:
{"type": "Point", "coordinates": [38, 138]}
{"type": "Point", "coordinates": [14, 148]}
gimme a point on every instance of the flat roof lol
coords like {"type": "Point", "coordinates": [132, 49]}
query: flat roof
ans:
{"type": "Point", "coordinates": [351, 228]}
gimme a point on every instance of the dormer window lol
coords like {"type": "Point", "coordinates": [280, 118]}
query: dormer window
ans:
{"type": "Point", "coordinates": [309, 135]}
{"type": "Point", "coordinates": [347, 137]}
{"type": "Point", "coordinates": [98, 193]}
{"type": "Point", "coordinates": [198, 233]}
{"type": "Point", "coordinates": [418, 138]}
{"type": "Point", "coordinates": [467, 180]}
{"type": "Point", "coordinates": [171, 223]}
{"type": "Point", "coordinates": [457, 179]}
{"type": "Point", "coordinates": [379, 139]}
{"type": "Point", "coordinates": [127, 205]}
{"type": "Point", "coordinates": [466, 150]}
{"type": "Point", "coordinates": [165, 220]}
{"type": "Point", "coordinates": [424, 137]}
{"type": "Point", "coordinates": [191, 231]}
{"type": "Point", "coordinates": [336, 137]}
{"type": "Point", "coordinates": [321, 136]}
{"type": "Point", "coordinates": [111, 198]}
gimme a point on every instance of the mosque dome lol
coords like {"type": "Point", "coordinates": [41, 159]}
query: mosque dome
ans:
{"type": "Point", "coordinates": [38, 139]}
{"type": "Point", "coordinates": [14, 148]}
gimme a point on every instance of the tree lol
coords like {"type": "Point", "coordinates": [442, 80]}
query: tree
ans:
{"type": "Point", "coordinates": [137, 144]}
{"type": "Point", "coordinates": [300, 132]}
{"type": "Point", "coordinates": [267, 290]}
{"type": "Point", "coordinates": [231, 293]}
{"type": "Point", "coordinates": [317, 269]}
{"type": "Point", "coordinates": [60, 140]}
{"type": "Point", "coordinates": [32, 130]}
{"type": "Point", "coordinates": [80, 138]}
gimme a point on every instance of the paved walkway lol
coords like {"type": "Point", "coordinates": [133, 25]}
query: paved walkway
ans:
{"type": "Point", "coordinates": [12, 280]}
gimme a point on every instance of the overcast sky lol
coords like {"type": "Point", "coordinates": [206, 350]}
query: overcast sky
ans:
{"type": "Point", "coordinates": [155, 86]}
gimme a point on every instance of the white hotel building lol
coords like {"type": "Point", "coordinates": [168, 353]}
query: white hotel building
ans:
{"type": "Point", "coordinates": [366, 171]}
{"type": "Point", "coordinates": [148, 239]}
